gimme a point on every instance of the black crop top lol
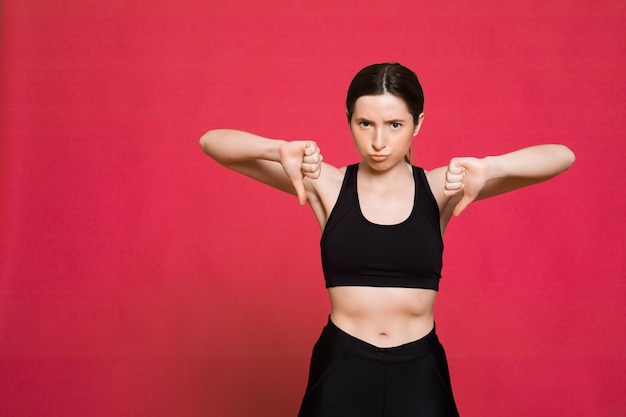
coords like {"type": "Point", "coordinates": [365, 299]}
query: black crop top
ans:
{"type": "Point", "coordinates": [357, 252]}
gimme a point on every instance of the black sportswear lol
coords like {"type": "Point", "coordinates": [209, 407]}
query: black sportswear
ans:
{"type": "Point", "coordinates": [352, 378]}
{"type": "Point", "coordinates": [357, 252]}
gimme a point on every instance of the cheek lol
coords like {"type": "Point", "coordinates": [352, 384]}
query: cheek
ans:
{"type": "Point", "coordinates": [361, 142]}
{"type": "Point", "coordinates": [358, 137]}
{"type": "Point", "coordinates": [404, 142]}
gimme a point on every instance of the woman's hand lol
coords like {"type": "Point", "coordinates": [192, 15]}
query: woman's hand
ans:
{"type": "Point", "coordinates": [301, 159]}
{"type": "Point", "coordinates": [493, 175]}
{"type": "Point", "coordinates": [466, 175]}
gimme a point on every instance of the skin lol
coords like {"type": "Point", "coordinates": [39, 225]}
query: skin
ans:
{"type": "Point", "coordinates": [383, 130]}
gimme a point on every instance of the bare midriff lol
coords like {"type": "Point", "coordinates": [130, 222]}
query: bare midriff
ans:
{"type": "Point", "coordinates": [382, 316]}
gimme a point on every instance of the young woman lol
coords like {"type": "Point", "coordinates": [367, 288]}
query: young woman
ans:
{"type": "Point", "coordinates": [382, 222]}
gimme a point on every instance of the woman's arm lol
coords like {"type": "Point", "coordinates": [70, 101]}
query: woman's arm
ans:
{"type": "Point", "coordinates": [278, 163]}
{"type": "Point", "coordinates": [493, 175]}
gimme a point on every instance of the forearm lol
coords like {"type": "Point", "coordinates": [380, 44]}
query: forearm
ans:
{"type": "Point", "coordinates": [536, 162]}
{"type": "Point", "coordinates": [232, 146]}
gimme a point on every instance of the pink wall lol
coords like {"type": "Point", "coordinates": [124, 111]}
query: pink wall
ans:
{"type": "Point", "coordinates": [139, 278]}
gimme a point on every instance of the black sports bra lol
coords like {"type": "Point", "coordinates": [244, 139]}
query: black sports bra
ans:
{"type": "Point", "coordinates": [357, 252]}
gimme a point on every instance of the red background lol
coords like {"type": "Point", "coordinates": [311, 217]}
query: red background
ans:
{"type": "Point", "coordinates": [139, 278]}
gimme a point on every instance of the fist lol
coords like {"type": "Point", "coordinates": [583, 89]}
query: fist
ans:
{"type": "Point", "coordinates": [466, 175]}
{"type": "Point", "coordinates": [312, 160]}
{"type": "Point", "coordinates": [301, 159]}
{"type": "Point", "coordinates": [455, 176]}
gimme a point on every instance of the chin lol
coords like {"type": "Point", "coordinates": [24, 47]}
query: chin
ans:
{"type": "Point", "coordinates": [380, 165]}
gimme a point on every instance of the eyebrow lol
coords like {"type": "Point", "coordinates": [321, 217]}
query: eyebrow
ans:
{"type": "Point", "coordinates": [396, 120]}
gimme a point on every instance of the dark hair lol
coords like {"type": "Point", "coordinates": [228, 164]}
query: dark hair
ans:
{"type": "Point", "coordinates": [389, 78]}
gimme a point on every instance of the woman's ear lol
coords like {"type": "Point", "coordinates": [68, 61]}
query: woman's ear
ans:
{"type": "Point", "coordinates": [420, 119]}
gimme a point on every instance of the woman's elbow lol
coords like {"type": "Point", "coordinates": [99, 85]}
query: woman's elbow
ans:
{"type": "Point", "coordinates": [206, 142]}
{"type": "Point", "coordinates": [568, 157]}
{"type": "Point", "coordinates": [212, 144]}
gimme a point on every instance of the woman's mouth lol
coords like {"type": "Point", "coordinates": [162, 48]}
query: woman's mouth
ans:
{"type": "Point", "coordinates": [378, 157]}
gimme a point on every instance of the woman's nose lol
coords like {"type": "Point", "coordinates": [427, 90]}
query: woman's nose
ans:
{"type": "Point", "coordinates": [378, 142]}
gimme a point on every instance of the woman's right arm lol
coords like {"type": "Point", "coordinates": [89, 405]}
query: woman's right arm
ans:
{"type": "Point", "coordinates": [277, 163]}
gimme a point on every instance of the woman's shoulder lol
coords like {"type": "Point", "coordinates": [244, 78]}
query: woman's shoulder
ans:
{"type": "Point", "coordinates": [436, 178]}
{"type": "Point", "coordinates": [323, 192]}
{"type": "Point", "coordinates": [331, 173]}
{"type": "Point", "coordinates": [329, 181]}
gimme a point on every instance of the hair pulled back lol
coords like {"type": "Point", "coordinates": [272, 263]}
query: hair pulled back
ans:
{"type": "Point", "coordinates": [390, 78]}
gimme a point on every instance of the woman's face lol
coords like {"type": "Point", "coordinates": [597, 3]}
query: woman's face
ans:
{"type": "Point", "coordinates": [383, 130]}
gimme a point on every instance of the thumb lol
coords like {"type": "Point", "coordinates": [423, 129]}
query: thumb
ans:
{"type": "Point", "coordinates": [461, 205]}
{"type": "Point", "coordinates": [298, 184]}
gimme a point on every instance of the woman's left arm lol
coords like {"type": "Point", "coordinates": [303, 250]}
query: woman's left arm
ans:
{"type": "Point", "coordinates": [486, 177]}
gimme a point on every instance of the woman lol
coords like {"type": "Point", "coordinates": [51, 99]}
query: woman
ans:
{"type": "Point", "coordinates": [382, 223]}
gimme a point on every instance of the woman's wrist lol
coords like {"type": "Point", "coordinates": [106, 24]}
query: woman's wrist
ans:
{"type": "Point", "coordinates": [494, 167]}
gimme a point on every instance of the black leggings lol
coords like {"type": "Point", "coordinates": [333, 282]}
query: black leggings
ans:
{"type": "Point", "coordinates": [352, 378]}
